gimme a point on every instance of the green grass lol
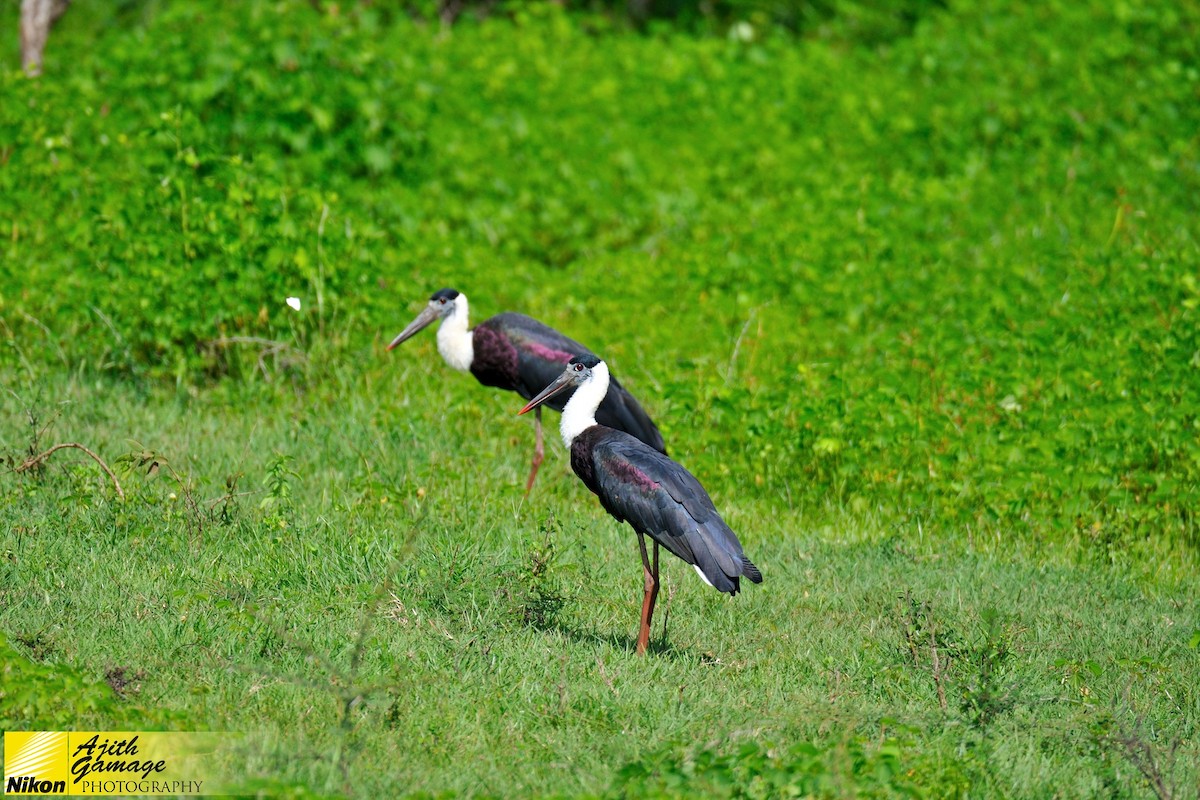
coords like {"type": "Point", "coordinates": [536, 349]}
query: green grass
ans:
{"type": "Point", "coordinates": [917, 304]}
{"type": "Point", "coordinates": [498, 654]}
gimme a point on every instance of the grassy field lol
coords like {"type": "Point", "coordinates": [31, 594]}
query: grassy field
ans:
{"type": "Point", "coordinates": [917, 303]}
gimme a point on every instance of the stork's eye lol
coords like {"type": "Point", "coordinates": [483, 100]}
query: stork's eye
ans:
{"type": "Point", "coordinates": [442, 301]}
{"type": "Point", "coordinates": [579, 367]}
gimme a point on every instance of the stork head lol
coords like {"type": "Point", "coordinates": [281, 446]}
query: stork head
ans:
{"type": "Point", "coordinates": [444, 303]}
{"type": "Point", "coordinates": [580, 370]}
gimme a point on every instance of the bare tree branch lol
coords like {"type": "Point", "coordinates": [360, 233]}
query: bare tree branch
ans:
{"type": "Point", "coordinates": [33, 461]}
{"type": "Point", "coordinates": [36, 18]}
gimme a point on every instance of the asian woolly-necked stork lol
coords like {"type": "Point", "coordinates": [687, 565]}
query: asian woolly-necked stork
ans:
{"type": "Point", "coordinates": [639, 485]}
{"type": "Point", "coordinates": [518, 353]}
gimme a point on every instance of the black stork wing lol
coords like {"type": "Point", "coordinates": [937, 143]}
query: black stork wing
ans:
{"type": "Point", "coordinates": [662, 499]}
{"type": "Point", "coordinates": [542, 353]}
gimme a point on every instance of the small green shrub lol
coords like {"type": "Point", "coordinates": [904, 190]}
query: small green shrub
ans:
{"type": "Point", "coordinates": [46, 696]}
{"type": "Point", "coordinates": [764, 770]}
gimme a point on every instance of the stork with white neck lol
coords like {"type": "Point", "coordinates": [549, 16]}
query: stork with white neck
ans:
{"type": "Point", "coordinates": [639, 485]}
{"type": "Point", "coordinates": [518, 353]}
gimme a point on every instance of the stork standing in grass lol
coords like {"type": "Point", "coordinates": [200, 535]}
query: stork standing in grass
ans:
{"type": "Point", "coordinates": [640, 485]}
{"type": "Point", "coordinates": [518, 353]}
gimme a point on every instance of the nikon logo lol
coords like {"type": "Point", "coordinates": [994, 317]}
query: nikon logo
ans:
{"type": "Point", "coordinates": [29, 784]}
{"type": "Point", "coordinates": [35, 762]}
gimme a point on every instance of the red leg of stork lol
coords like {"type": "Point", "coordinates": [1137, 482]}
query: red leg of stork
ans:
{"type": "Point", "coordinates": [539, 452]}
{"type": "Point", "coordinates": [651, 573]}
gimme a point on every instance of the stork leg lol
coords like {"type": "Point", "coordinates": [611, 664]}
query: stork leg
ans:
{"type": "Point", "coordinates": [538, 452]}
{"type": "Point", "coordinates": [651, 574]}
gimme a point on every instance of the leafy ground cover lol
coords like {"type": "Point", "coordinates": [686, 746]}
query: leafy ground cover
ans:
{"type": "Point", "coordinates": [919, 308]}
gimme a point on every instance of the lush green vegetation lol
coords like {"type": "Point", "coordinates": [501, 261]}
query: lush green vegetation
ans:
{"type": "Point", "coordinates": [918, 301]}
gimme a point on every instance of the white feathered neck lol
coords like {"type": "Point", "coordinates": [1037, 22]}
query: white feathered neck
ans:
{"type": "Point", "coordinates": [580, 412]}
{"type": "Point", "coordinates": [454, 340]}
